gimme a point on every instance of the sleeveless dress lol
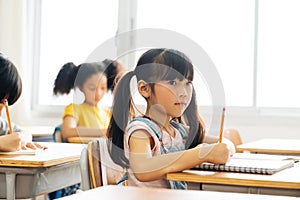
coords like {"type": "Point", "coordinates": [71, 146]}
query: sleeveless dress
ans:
{"type": "Point", "coordinates": [163, 144]}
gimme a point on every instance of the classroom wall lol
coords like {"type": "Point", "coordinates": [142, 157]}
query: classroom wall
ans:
{"type": "Point", "coordinates": [265, 127]}
{"type": "Point", "coordinates": [13, 42]}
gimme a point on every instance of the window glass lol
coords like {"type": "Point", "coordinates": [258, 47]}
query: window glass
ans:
{"type": "Point", "coordinates": [224, 29]}
{"type": "Point", "coordinates": [278, 53]}
{"type": "Point", "coordinates": [70, 31]}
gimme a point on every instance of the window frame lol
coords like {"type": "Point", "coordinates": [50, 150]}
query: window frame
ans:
{"type": "Point", "coordinates": [127, 21]}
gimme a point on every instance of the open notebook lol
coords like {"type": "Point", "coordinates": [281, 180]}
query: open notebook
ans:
{"type": "Point", "coordinates": [22, 152]}
{"type": "Point", "coordinates": [249, 165]}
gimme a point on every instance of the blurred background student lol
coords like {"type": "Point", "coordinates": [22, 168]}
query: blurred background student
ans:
{"type": "Point", "coordinates": [86, 119]}
{"type": "Point", "coordinates": [94, 80]}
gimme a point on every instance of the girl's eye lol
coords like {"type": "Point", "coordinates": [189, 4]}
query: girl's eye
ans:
{"type": "Point", "coordinates": [172, 82]}
{"type": "Point", "coordinates": [189, 83]}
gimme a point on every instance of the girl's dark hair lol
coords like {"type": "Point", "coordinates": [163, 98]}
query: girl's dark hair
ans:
{"type": "Point", "coordinates": [111, 71]}
{"type": "Point", "coordinates": [10, 81]}
{"type": "Point", "coordinates": [71, 76]}
{"type": "Point", "coordinates": [153, 66]}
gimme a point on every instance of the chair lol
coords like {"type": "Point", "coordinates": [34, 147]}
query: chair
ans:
{"type": "Point", "coordinates": [57, 135]}
{"type": "Point", "coordinates": [234, 136]}
{"type": "Point", "coordinates": [97, 168]}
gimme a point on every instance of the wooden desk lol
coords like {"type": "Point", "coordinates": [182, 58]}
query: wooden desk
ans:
{"type": "Point", "coordinates": [133, 193]}
{"type": "Point", "coordinates": [285, 182]}
{"type": "Point", "coordinates": [80, 140]}
{"type": "Point", "coordinates": [40, 133]}
{"type": "Point", "coordinates": [272, 146]}
{"type": "Point", "coordinates": [27, 176]}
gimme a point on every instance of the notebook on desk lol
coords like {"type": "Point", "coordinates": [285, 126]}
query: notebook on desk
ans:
{"type": "Point", "coordinates": [262, 156]}
{"type": "Point", "coordinates": [22, 152]}
{"type": "Point", "coordinates": [244, 165]}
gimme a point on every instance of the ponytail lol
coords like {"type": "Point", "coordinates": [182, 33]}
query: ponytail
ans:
{"type": "Point", "coordinates": [120, 116]}
{"type": "Point", "coordinates": [111, 73]}
{"type": "Point", "coordinates": [65, 79]}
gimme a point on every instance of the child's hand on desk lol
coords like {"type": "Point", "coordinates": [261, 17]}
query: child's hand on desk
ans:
{"type": "Point", "coordinates": [217, 153]}
{"type": "Point", "coordinates": [26, 142]}
{"type": "Point", "coordinates": [34, 145]}
{"type": "Point", "coordinates": [11, 142]}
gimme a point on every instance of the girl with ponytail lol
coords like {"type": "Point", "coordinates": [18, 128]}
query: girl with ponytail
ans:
{"type": "Point", "coordinates": [86, 119]}
{"type": "Point", "coordinates": [170, 135]}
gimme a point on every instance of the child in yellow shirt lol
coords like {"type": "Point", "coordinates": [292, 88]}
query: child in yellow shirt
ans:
{"type": "Point", "coordinates": [93, 80]}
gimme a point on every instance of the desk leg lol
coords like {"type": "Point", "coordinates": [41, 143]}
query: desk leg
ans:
{"type": "Point", "coordinates": [10, 186]}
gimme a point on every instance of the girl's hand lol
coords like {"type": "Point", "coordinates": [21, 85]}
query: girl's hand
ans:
{"type": "Point", "coordinates": [230, 146]}
{"type": "Point", "coordinates": [217, 153]}
{"type": "Point", "coordinates": [11, 142]}
{"type": "Point", "coordinates": [26, 142]}
{"type": "Point", "coordinates": [33, 145]}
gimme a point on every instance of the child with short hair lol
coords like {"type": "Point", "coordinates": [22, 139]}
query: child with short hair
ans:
{"type": "Point", "coordinates": [10, 90]}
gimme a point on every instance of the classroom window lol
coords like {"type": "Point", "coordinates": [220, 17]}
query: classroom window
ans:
{"type": "Point", "coordinates": [224, 29]}
{"type": "Point", "coordinates": [70, 30]}
{"type": "Point", "coordinates": [278, 49]}
{"type": "Point", "coordinates": [252, 46]}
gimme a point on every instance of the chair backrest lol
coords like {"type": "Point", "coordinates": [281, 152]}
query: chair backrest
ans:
{"type": "Point", "coordinates": [57, 135]}
{"type": "Point", "coordinates": [84, 169]}
{"type": "Point", "coordinates": [234, 136]}
{"type": "Point", "coordinates": [97, 168]}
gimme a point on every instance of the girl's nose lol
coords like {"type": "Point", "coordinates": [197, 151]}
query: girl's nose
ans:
{"type": "Point", "coordinates": [182, 92]}
{"type": "Point", "coordinates": [98, 92]}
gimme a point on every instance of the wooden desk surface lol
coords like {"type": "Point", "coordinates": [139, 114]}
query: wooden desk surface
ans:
{"type": "Point", "coordinates": [80, 140]}
{"type": "Point", "coordinates": [272, 146]}
{"type": "Point", "coordinates": [288, 178]}
{"type": "Point", "coordinates": [132, 193]}
{"type": "Point", "coordinates": [57, 153]}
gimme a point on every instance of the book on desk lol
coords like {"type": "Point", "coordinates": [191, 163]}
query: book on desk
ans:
{"type": "Point", "coordinates": [249, 164]}
{"type": "Point", "coordinates": [22, 152]}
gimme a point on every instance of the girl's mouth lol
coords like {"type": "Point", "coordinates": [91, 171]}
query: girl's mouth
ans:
{"type": "Point", "coordinates": [180, 104]}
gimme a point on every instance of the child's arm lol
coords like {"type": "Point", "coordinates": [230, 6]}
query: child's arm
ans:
{"type": "Point", "coordinates": [4, 130]}
{"type": "Point", "coordinates": [149, 168]}
{"type": "Point", "coordinates": [70, 129]}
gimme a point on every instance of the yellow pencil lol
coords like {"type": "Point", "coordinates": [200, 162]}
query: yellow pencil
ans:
{"type": "Point", "coordinates": [222, 125]}
{"type": "Point", "coordinates": [8, 116]}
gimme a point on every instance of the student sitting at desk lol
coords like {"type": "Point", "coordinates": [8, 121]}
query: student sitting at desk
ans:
{"type": "Point", "coordinates": [85, 119]}
{"type": "Point", "coordinates": [10, 90]}
{"type": "Point", "coordinates": [170, 135]}
{"type": "Point", "coordinates": [93, 80]}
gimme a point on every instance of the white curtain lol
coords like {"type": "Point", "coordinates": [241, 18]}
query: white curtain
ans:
{"type": "Point", "coordinates": [13, 43]}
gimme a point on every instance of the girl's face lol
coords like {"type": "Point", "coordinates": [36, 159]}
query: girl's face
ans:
{"type": "Point", "coordinates": [173, 95]}
{"type": "Point", "coordinates": [94, 88]}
